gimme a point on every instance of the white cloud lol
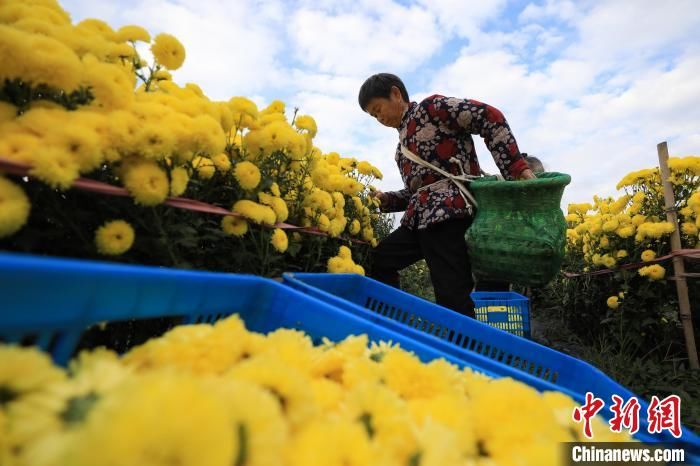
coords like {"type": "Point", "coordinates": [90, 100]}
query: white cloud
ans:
{"type": "Point", "coordinates": [385, 36]}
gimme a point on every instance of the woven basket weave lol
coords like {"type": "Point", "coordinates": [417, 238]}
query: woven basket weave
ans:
{"type": "Point", "coordinates": [519, 232]}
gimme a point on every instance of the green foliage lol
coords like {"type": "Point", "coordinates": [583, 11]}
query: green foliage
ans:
{"type": "Point", "coordinates": [415, 279]}
{"type": "Point", "coordinates": [22, 94]}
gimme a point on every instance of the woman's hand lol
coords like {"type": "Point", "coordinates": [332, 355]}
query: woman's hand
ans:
{"type": "Point", "coordinates": [379, 195]}
{"type": "Point", "coordinates": [527, 175]}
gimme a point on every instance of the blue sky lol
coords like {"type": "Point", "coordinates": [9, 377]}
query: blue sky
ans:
{"type": "Point", "coordinates": [588, 86]}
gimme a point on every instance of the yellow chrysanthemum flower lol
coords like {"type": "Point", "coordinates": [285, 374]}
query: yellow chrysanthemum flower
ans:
{"type": "Point", "coordinates": [148, 410]}
{"type": "Point", "coordinates": [222, 162]}
{"type": "Point", "coordinates": [247, 174]}
{"type": "Point", "coordinates": [258, 213]}
{"type": "Point", "coordinates": [147, 182]}
{"type": "Point", "coordinates": [233, 225]}
{"type": "Point", "coordinates": [279, 240]}
{"type": "Point", "coordinates": [355, 227]}
{"type": "Point", "coordinates": [168, 51]}
{"type": "Point", "coordinates": [205, 167]}
{"type": "Point", "coordinates": [288, 383]}
{"type": "Point", "coordinates": [613, 302]}
{"type": "Point", "coordinates": [689, 228]}
{"type": "Point", "coordinates": [648, 255]}
{"type": "Point", "coordinates": [14, 207]}
{"type": "Point", "coordinates": [179, 178]}
{"type": "Point", "coordinates": [260, 431]}
{"type": "Point", "coordinates": [621, 254]}
{"type": "Point", "coordinates": [55, 167]}
{"type": "Point", "coordinates": [276, 106]}
{"type": "Point", "coordinates": [275, 190]}
{"type": "Point", "coordinates": [24, 371]}
{"type": "Point", "coordinates": [306, 122]}
{"type": "Point", "coordinates": [132, 33]}
{"type": "Point", "coordinates": [114, 238]}
{"type": "Point", "coordinates": [653, 272]}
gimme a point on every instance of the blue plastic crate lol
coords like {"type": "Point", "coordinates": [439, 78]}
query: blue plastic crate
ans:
{"type": "Point", "coordinates": [50, 302]}
{"type": "Point", "coordinates": [472, 341]}
{"type": "Point", "coordinates": [505, 310]}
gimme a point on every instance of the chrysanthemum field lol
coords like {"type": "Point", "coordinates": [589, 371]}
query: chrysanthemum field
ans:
{"type": "Point", "coordinates": [104, 156]}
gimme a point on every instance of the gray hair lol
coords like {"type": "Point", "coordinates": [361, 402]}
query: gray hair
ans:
{"type": "Point", "coordinates": [534, 163]}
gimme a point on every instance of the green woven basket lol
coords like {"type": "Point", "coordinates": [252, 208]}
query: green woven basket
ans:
{"type": "Point", "coordinates": [519, 232]}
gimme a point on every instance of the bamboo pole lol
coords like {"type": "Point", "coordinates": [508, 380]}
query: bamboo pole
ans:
{"type": "Point", "coordinates": [678, 264]}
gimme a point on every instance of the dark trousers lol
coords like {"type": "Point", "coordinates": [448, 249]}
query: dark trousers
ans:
{"type": "Point", "coordinates": [445, 251]}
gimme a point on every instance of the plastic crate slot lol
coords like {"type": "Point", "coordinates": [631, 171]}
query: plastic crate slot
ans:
{"type": "Point", "coordinates": [499, 357]}
{"type": "Point", "coordinates": [53, 342]}
{"type": "Point", "coordinates": [393, 312]}
{"type": "Point", "coordinates": [431, 328]}
{"type": "Point", "coordinates": [369, 302]}
{"type": "Point", "coordinates": [29, 339]}
{"type": "Point", "coordinates": [555, 376]}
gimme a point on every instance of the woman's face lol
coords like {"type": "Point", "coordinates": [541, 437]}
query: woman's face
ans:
{"type": "Point", "coordinates": [388, 111]}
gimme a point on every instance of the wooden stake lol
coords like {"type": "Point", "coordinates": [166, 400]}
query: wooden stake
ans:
{"type": "Point", "coordinates": [678, 264]}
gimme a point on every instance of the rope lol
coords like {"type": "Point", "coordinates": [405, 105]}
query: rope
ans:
{"type": "Point", "coordinates": [86, 184]}
{"type": "Point", "coordinates": [456, 179]}
{"type": "Point", "coordinates": [689, 253]}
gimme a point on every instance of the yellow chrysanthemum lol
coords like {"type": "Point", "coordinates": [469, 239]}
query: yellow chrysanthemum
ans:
{"type": "Point", "coordinates": [244, 112]}
{"type": "Point", "coordinates": [275, 190]}
{"type": "Point", "coordinates": [355, 227]}
{"type": "Point", "coordinates": [148, 410]}
{"type": "Point", "coordinates": [114, 238]}
{"type": "Point", "coordinates": [55, 167]}
{"type": "Point", "coordinates": [260, 430]}
{"type": "Point", "coordinates": [235, 226]}
{"type": "Point", "coordinates": [279, 240]}
{"type": "Point", "coordinates": [247, 174]}
{"type": "Point", "coordinates": [288, 384]}
{"type": "Point", "coordinates": [179, 178]}
{"type": "Point", "coordinates": [276, 106]}
{"type": "Point", "coordinates": [132, 33]}
{"type": "Point", "coordinates": [205, 167]}
{"type": "Point", "coordinates": [146, 182]}
{"type": "Point", "coordinates": [621, 254]}
{"type": "Point", "coordinates": [258, 213]}
{"type": "Point", "coordinates": [648, 255]}
{"type": "Point", "coordinates": [222, 162]}
{"type": "Point", "coordinates": [168, 51]}
{"type": "Point", "coordinates": [277, 204]}
{"type": "Point", "coordinates": [613, 302]}
{"type": "Point", "coordinates": [653, 272]}
{"type": "Point", "coordinates": [24, 371]}
{"type": "Point", "coordinates": [14, 207]}
{"type": "Point", "coordinates": [331, 442]}
{"type": "Point", "coordinates": [689, 228]}
{"type": "Point", "coordinates": [306, 122]}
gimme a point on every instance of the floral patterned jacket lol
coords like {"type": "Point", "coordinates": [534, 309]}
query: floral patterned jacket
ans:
{"type": "Point", "coordinates": [438, 129]}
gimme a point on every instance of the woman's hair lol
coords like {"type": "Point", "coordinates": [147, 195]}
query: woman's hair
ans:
{"type": "Point", "coordinates": [534, 163]}
{"type": "Point", "coordinates": [379, 85]}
